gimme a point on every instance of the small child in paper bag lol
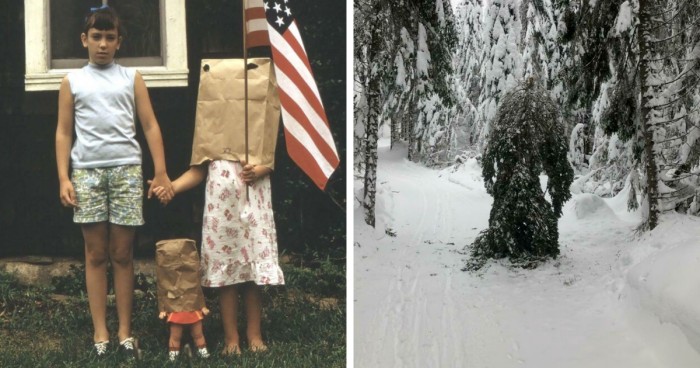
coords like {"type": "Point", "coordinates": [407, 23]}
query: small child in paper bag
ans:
{"type": "Point", "coordinates": [180, 297]}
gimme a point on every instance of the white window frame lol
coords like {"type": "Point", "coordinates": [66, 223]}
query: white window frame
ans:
{"type": "Point", "coordinates": [40, 77]}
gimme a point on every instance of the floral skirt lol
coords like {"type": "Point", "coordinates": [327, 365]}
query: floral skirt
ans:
{"type": "Point", "coordinates": [239, 241]}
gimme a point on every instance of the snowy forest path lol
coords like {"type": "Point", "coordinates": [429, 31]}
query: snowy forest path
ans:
{"type": "Point", "coordinates": [415, 307]}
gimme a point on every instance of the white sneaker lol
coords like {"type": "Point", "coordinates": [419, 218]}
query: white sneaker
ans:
{"type": "Point", "coordinates": [203, 352]}
{"type": "Point", "coordinates": [101, 348]}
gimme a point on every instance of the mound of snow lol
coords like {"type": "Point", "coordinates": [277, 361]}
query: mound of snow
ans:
{"type": "Point", "coordinates": [588, 205]}
{"type": "Point", "coordinates": [466, 175]}
{"type": "Point", "coordinates": [667, 281]}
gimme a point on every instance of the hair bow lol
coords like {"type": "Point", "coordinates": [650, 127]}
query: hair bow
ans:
{"type": "Point", "coordinates": [105, 6]}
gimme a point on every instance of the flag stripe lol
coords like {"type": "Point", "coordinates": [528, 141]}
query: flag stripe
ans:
{"type": "Point", "coordinates": [298, 61]}
{"type": "Point", "coordinates": [293, 38]}
{"type": "Point", "coordinates": [307, 79]}
{"type": "Point", "coordinates": [254, 4]}
{"type": "Point", "coordinates": [255, 39]}
{"type": "Point", "coordinates": [255, 12]}
{"type": "Point", "coordinates": [256, 24]}
{"type": "Point", "coordinates": [303, 111]}
{"type": "Point", "coordinates": [296, 112]}
{"type": "Point", "coordinates": [305, 161]}
{"type": "Point", "coordinates": [303, 85]}
{"type": "Point", "coordinates": [302, 137]}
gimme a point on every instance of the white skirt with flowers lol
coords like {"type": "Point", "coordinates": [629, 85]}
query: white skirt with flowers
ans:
{"type": "Point", "coordinates": [236, 249]}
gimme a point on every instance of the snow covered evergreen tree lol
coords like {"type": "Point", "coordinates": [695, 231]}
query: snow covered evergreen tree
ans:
{"type": "Point", "coordinates": [467, 80]}
{"type": "Point", "coordinates": [633, 68]}
{"type": "Point", "coordinates": [502, 66]}
{"type": "Point", "coordinates": [526, 139]}
{"type": "Point", "coordinates": [501, 42]}
{"type": "Point", "coordinates": [403, 60]}
{"type": "Point", "coordinates": [669, 28]}
{"type": "Point", "coordinates": [435, 39]}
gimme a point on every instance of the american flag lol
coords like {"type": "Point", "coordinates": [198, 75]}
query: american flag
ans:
{"type": "Point", "coordinates": [307, 133]}
{"type": "Point", "coordinates": [256, 24]}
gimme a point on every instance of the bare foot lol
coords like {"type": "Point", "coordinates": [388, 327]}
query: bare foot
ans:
{"type": "Point", "coordinates": [257, 346]}
{"type": "Point", "coordinates": [231, 350]}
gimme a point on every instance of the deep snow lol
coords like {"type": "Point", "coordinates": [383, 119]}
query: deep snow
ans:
{"type": "Point", "coordinates": [614, 298]}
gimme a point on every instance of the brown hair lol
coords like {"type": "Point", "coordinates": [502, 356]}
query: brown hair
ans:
{"type": "Point", "coordinates": [103, 19]}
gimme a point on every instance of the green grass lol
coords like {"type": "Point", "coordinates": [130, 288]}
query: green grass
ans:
{"type": "Point", "coordinates": [303, 324]}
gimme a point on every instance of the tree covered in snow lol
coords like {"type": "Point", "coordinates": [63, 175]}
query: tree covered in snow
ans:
{"type": "Point", "coordinates": [501, 66]}
{"type": "Point", "coordinates": [414, 68]}
{"type": "Point", "coordinates": [633, 70]}
{"type": "Point", "coordinates": [369, 102]}
{"type": "Point", "coordinates": [403, 59]}
{"type": "Point", "coordinates": [423, 91]}
{"type": "Point", "coordinates": [598, 52]}
{"type": "Point", "coordinates": [667, 30]}
{"type": "Point", "coordinates": [526, 139]}
{"type": "Point", "coordinates": [467, 80]}
{"type": "Point", "coordinates": [501, 42]}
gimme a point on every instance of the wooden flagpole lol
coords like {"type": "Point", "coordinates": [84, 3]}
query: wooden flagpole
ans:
{"type": "Point", "coordinates": [245, 87]}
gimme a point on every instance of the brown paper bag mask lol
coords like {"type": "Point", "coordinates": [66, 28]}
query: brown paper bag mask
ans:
{"type": "Point", "coordinates": [177, 271]}
{"type": "Point", "coordinates": [219, 132]}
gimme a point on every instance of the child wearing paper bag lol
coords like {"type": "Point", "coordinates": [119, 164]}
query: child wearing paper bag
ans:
{"type": "Point", "coordinates": [239, 240]}
{"type": "Point", "coordinates": [180, 296]}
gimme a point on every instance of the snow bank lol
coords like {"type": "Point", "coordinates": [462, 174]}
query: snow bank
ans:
{"type": "Point", "coordinates": [666, 281]}
{"type": "Point", "coordinates": [466, 175]}
{"type": "Point", "coordinates": [588, 205]}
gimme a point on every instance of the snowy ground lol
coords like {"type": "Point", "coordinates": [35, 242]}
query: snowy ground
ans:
{"type": "Point", "coordinates": [613, 298]}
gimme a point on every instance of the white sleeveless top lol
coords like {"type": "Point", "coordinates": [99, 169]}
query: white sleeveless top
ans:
{"type": "Point", "coordinates": [104, 113]}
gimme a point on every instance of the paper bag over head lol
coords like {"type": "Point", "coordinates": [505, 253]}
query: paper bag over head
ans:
{"type": "Point", "coordinates": [178, 277]}
{"type": "Point", "coordinates": [219, 132]}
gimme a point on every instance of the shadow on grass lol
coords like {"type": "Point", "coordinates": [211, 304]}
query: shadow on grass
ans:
{"type": "Point", "coordinates": [304, 326]}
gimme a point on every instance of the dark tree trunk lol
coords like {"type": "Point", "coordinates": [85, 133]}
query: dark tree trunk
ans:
{"type": "Point", "coordinates": [372, 123]}
{"type": "Point", "coordinates": [652, 188]}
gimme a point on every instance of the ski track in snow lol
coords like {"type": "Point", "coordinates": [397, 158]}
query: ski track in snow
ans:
{"type": "Point", "coordinates": [414, 307]}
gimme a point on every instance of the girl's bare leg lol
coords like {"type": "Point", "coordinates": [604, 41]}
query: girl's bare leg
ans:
{"type": "Point", "coordinates": [228, 302]}
{"type": "Point", "coordinates": [252, 297]}
{"type": "Point", "coordinates": [96, 237]}
{"type": "Point", "coordinates": [121, 239]}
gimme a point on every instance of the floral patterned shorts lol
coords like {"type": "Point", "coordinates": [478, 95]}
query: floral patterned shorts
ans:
{"type": "Point", "coordinates": [113, 194]}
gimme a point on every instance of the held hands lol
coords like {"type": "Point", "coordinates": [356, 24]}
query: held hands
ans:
{"type": "Point", "coordinates": [162, 187]}
{"type": "Point", "coordinates": [162, 181]}
{"type": "Point", "coordinates": [163, 195]}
